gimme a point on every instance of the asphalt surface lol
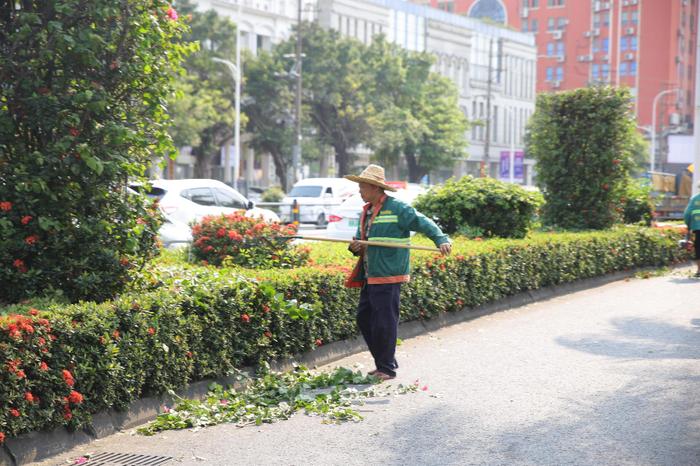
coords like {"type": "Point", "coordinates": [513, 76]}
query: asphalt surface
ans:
{"type": "Point", "coordinates": [606, 376]}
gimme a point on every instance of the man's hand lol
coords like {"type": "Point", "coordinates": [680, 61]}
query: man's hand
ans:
{"type": "Point", "coordinates": [357, 247]}
{"type": "Point", "coordinates": [446, 249]}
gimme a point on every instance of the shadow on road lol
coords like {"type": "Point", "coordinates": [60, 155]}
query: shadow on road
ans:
{"type": "Point", "coordinates": [635, 338]}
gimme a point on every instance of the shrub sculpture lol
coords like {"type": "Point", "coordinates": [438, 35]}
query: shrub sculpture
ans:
{"type": "Point", "coordinates": [81, 111]}
{"type": "Point", "coordinates": [582, 142]}
{"type": "Point", "coordinates": [235, 239]}
{"type": "Point", "coordinates": [481, 207]}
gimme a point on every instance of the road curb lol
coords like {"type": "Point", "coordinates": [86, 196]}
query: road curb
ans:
{"type": "Point", "coordinates": [36, 446]}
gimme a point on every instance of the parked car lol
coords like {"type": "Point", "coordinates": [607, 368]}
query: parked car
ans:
{"type": "Point", "coordinates": [185, 201]}
{"type": "Point", "coordinates": [343, 220]}
{"type": "Point", "coordinates": [316, 197]}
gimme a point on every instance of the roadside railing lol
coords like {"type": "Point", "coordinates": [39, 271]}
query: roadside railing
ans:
{"type": "Point", "coordinates": [294, 212]}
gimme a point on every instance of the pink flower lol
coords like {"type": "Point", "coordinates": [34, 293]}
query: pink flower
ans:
{"type": "Point", "coordinates": [6, 206]}
{"type": "Point", "coordinates": [81, 460]}
{"type": "Point", "coordinates": [424, 388]}
{"type": "Point", "coordinates": [172, 14]}
{"type": "Point", "coordinates": [26, 219]}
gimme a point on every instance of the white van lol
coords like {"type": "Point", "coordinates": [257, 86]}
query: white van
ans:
{"type": "Point", "coordinates": [315, 198]}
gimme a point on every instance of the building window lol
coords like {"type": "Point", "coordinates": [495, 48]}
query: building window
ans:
{"type": "Point", "coordinates": [605, 45]}
{"type": "Point", "coordinates": [550, 73]}
{"type": "Point", "coordinates": [560, 73]}
{"type": "Point", "coordinates": [490, 9]}
{"type": "Point", "coordinates": [605, 71]}
{"type": "Point", "coordinates": [550, 49]}
{"type": "Point", "coordinates": [535, 25]}
{"type": "Point", "coordinates": [596, 20]}
{"type": "Point", "coordinates": [560, 49]}
{"type": "Point", "coordinates": [596, 45]}
{"type": "Point", "coordinates": [624, 18]}
{"type": "Point", "coordinates": [606, 19]}
{"type": "Point", "coordinates": [534, 3]}
{"type": "Point", "coordinates": [624, 43]}
{"type": "Point", "coordinates": [550, 23]}
{"type": "Point", "coordinates": [633, 68]}
{"type": "Point", "coordinates": [524, 27]}
{"type": "Point", "coordinates": [634, 17]}
{"type": "Point", "coordinates": [555, 2]}
{"type": "Point", "coordinates": [623, 68]}
{"type": "Point", "coordinates": [633, 43]}
{"type": "Point", "coordinates": [561, 23]}
{"type": "Point", "coordinates": [596, 71]}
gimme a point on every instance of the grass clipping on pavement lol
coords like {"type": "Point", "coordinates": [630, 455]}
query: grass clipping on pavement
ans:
{"type": "Point", "coordinates": [277, 396]}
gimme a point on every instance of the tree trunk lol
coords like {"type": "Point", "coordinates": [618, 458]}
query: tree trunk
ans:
{"type": "Point", "coordinates": [415, 171]}
{"type": "Point", "coordinates": [281, 165]}
{"type": "Point", "coordinates": [342, 159]}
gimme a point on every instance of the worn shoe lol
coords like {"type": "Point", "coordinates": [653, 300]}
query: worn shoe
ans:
{"type": "Point", "coordinates": [382, 375]}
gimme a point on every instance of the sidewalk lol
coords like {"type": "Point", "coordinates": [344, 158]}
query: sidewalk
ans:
{"type": "Point", "coordinates": [608, 375]}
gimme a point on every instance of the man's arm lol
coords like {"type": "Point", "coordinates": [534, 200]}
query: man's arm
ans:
{"type": "Point", "coordinates": [412, 220]}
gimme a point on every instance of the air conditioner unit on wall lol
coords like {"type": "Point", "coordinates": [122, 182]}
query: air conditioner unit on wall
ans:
{"type": "Point", "coordinates": [630, 31]}
{"type": "Point", "coordinates": [557, 34]}
{"type": "Point", "coordinates": [556, 84]}
{"type": "Point", "coordinates": [596, 32]}
{"type": "Point", "coordinates": [629, 56]}
{"type": "Point", "coordinates": [585, 58]}
{"type": "Point", "coordinates": [561, 58]}
{"type": "Point", "coordinates": [524, 12]}
{"type": "Point", "coordinates": [587, 33]}
{"type": "Point", "coordinates": [605, 57]}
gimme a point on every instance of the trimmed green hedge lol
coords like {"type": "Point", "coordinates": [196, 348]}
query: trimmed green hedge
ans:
{"type": "Point", "coordinates": [201, 322]}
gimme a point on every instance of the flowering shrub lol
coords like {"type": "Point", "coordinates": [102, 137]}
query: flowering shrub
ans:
{"type": "Point", "coordinates": [81, 111]}
{"type": "Point", "coordinates": [235, 239]}
{"type": "Point", "coordinates": [582, 141]}
{"type": "Point", "coordinates": [37, 385]}
{"type": "Point", "coordinates": [202, 322]}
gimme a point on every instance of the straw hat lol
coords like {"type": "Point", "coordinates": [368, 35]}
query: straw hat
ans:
{"type": "Point", "coordinates": [373, 174]}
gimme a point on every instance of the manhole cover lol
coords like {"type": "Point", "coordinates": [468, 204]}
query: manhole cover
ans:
{"type": "Point", "coordinates": [126, 459]}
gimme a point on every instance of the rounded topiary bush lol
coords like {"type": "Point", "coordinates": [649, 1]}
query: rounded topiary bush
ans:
{"type": "Point", "coordinates": [235, 239]}
{"type": "Point", "coordinates": [481, 206]}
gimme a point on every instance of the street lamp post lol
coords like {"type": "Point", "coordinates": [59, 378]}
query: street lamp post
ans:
{"type": "Point", "coordinates": [511, 172]}
{"type": "Point", "coordinates": [652, 156]}
{"type": "Point", "coordinates": [235, 70]}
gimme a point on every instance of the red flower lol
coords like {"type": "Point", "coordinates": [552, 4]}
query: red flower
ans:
{"type": "Point", "coordinates": [20, 373]}
{"type": "Point", "coordinates": [75, 397]}
{"type": "Point", "coordinates": [116, 335]}
{"type": "Point", "coordinates": [19, 265]}
{"type": "Point", "coordinates": [221, 232]}
{"type": "Point", "coordinates": [67, 415]}
{"type": "Point", "coordinates": [2, 437]}
{"type": "Point", "coordinates": [318, 342]}
{"type": "Point", "coordinates": [234, 235]}
{"type": "Point", "coordinates": [26, 219]}
{"type": "Point", "coordinates": [208, 249]}
{"type": "Point", "coordinates": [6, 206]}
{"type": "Point", "coordinates": [43, 366]}
{"type": "Point", "coordinates": [43, 90]}
{"type": "Point", "coordinates": [140, 221]}
{"type": "Point", "coordinates": [75, 132]}
{"type": "Point", "coordinates": [172, 14]}
{"type": "Point", "coordinates": [188, 354]}
{"type": "Point", "coordinates": [42, 341]}
{"type": "Point", "coordinates": [245, 318]}
{"type": "Point", "coordinates": [268, 334]}
{"type": "Point", "coordinates": [29, 397]}
{"type": "Point", "coordinates": [151, 331]}
{"type": "Point", "coordinates": [33, 311]}
{"type": "Point", "coordinates": [68, 377]}
{"type": "Point", "coordinates": [14, 412]}
{"type": "Point", "coordinates": [32, 239]}
{"type": "Point", "coordinates": [266, 308]}
{"type": "Point", "coordinates": [605, 186]}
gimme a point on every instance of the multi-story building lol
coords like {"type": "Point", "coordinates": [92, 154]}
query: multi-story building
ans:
{"type": "Point", "coordinates": [646, 45]}
{"type": "Point", "coordinates": [493, 68]}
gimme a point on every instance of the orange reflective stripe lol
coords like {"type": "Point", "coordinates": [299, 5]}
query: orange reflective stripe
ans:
{"type": "Point", "coordinates": [383, 280]}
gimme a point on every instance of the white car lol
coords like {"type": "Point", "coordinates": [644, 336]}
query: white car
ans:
{"type": "Point", "coordinates": [186, 201]}
{"type": "Point", "coordinates": [343, 220]}
{"type": "Point", "coordinates": [316, 197]}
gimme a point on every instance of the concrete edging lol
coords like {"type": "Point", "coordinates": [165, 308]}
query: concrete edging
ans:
{"type": "Point", "coordinates": [36, 446]}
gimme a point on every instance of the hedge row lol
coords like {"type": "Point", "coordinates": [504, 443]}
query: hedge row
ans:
{"type": "Point", "coordinates": [64, 363]}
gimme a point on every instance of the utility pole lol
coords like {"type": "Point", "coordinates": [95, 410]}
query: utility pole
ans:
{"type": "Point", "coordinates": [296, 151]}
{"type": "Point", "coordinates": [486, 169]}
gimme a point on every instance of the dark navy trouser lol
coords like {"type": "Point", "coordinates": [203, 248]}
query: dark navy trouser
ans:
{"type": "Point", "coordinates": [378, 319]}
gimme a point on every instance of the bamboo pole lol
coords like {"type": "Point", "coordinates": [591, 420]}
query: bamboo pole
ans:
{"type": "Point", "coordinates": [368, 243]}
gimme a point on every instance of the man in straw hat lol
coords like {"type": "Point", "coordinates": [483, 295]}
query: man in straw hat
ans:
{"type": "Point", "coordinates": [380, 271]}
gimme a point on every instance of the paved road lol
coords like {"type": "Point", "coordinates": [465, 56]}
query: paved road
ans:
{"type": "Point", "coordinates": [607, 376]}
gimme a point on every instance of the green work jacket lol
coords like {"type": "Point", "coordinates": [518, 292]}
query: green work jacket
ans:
{"type": "Point", "coordinates": [692, 213]}
{"type": "Point", "coordinates": [392, 222]}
